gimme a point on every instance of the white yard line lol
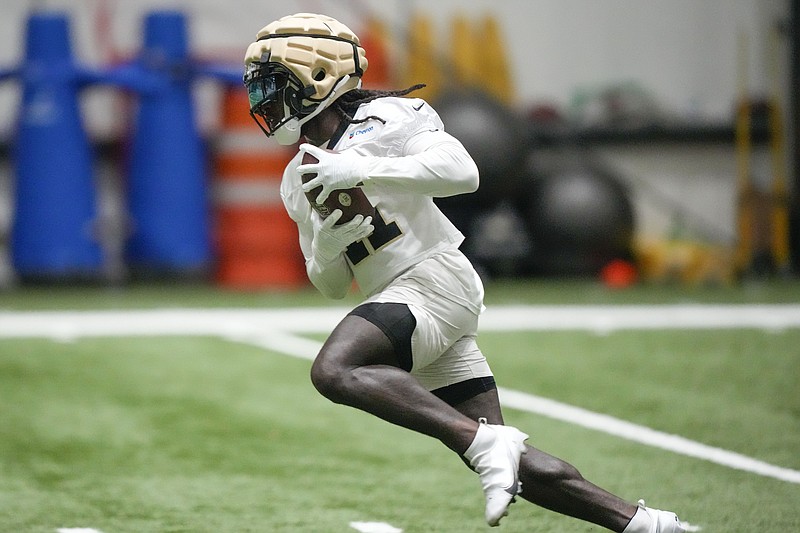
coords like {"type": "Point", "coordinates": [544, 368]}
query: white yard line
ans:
{"type": "Point", "coordinates": [375, 527]}
{"type": "Point", "coordinates": [276, 330]}
{"type": "Point", "coordinates": [642, 434]}
{"type": "Point", "coordinates": [307, 349]}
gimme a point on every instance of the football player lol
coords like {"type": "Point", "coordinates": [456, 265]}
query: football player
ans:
{"type": "Point", "coordinates": [408, 353]}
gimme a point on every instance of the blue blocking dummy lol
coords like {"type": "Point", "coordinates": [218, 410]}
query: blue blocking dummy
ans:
{"type": "Point", "coordinates": [167, 180]}
{"type": "Point", "coordinates": [53, 233]}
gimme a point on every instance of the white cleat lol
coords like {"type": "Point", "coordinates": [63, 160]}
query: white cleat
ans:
{"type": "Point", "coordinates": [665, 521]}
{"type": "Point", "coordinates": [497, 464]}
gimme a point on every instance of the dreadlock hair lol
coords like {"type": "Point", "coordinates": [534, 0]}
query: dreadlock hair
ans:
{"type": "Point", "coordinates": [347, 104]}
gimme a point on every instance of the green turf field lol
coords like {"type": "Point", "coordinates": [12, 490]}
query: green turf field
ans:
{"type": "Point", "coordinates": [203, 434]}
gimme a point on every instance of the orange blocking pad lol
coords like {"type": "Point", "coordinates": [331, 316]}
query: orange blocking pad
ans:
{"type": "Point", "coordinates": [255, 230]}
{"type": "Point", "coordinates": [246, 272]}
{"type": "Point", "coordinates": [256, 242]}
{"type": "Point", "coordinates": [258, 248]}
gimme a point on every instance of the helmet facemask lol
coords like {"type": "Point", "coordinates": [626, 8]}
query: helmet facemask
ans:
{"type": "Point", "coordinates": [275, 96]}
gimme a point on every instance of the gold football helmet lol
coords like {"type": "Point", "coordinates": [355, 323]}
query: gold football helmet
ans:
{"type": "Point", "coordinates": [297, 67]}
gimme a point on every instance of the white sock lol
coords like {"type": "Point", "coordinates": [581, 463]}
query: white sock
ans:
{"type": "Point", "coordinates": [640, 523]}
{"type": "Point", "coordinates": [484, 440]}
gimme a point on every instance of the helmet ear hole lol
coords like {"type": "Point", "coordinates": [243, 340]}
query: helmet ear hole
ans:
{"type": "Point", "coordinates": [318, 74]}
{"type": "Point", "coordinates": [294, 100]}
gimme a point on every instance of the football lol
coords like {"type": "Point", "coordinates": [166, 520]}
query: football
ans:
{"type": "Point", "coordinates": [352, 202]}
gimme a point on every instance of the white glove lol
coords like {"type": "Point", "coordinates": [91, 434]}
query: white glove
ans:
{"type": "Point", "coordinates": [335, 170]}
{"type": "Point", "coordinates": [331, 240]}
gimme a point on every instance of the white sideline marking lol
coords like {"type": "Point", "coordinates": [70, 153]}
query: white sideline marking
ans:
{"type": "Point", "coordinates": [607, 318]}
{"type": "Point", "coordinates": [374, 527]}
{"type": "Point", "coordinates": [77, 530]}
{"type": "Point", "coordinates": [274, 329]}
{"type": "Point", "coordinates": [67, 325]}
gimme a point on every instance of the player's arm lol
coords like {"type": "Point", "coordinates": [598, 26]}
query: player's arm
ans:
{"type": "Point", "coordinates": [434, 164]}
{"type": "Point", "coordinates": [321, 241]}
{"type": "Point", "coordinates": [323, 245]}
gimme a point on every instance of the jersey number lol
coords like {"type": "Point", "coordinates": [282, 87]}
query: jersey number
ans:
{"type": "Point", "coordinates": [384, 234]}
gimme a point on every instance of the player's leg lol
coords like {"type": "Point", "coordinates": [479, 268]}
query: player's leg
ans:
{"type": "Point", "coordinates": [462, 373]}
{"type": "Point", "coordinates": [364, 365]}
{"type": "Point", "coordinates": [546, 480]}
{"type": "Point", "coordinates": [554, 484]}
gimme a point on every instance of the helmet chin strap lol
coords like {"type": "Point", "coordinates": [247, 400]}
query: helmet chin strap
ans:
{"type": "Point", "coordinates": [289, 132]}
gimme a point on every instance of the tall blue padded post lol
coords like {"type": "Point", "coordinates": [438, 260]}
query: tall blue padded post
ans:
{"type": "Point", "coordinates": [167, 196]}
{"type": "Point", "coordinates": [53, 233]}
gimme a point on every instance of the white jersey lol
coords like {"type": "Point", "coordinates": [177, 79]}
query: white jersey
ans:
{"type": "Point", "coordinates": [409, 227]}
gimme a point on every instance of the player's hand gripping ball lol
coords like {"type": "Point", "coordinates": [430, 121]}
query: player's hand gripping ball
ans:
{"type": "Point", "coordinates": [352, 201]}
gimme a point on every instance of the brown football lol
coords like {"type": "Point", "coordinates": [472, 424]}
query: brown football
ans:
{"type": "Point", "coordinates": [352, 202]}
